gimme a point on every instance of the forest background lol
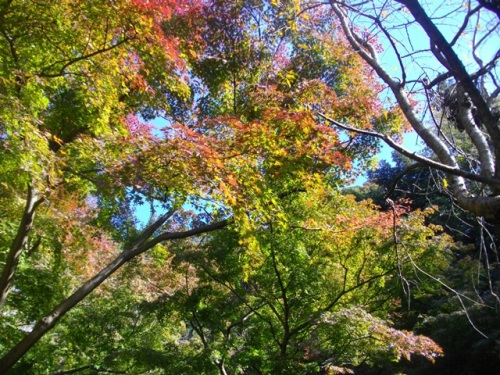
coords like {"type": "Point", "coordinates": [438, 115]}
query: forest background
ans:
{"type": "Point", "coordinates": [256, 257]}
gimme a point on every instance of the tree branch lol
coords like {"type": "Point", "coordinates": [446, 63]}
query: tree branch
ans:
{"type": "Point", "coordinates": [456, 171]}
{"type": "Point", "coordinates": [458, 70]}
{"type": "Point", "coordinates": [49, 321]}
{"type": "Point", "coordinates": [399, 176]}
{"type": "Point", "coordinates": [431, 140]}
{"type": "Point", "coordinates": [69, 62]}
{"type": "Point", "coordinates": [88, 367]}
{"type": "Point", "coordinates": [19, 243]}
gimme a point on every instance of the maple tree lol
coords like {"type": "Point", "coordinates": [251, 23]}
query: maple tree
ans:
{"type": "Point", "coordinates": [71, 73]}
{"type": "Point", "coordinates": [238, 86]}
{"type": "Point", "coordinates": [292, 310]}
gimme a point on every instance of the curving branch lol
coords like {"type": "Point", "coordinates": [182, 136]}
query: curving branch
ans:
{"type": "Point", "coordinates": [486, 206]}
{"type": "Point", "coordinates": [68, 62]}
{"type": "Point", "coordinates": [466, 119]}
{"type": "Point", "coordinates": [460, 31]}
{"type": "Point", "coordinates": [399, 176]}
{"type": "Point", "coordinates": [488, 146]}
{"type": "Point", "coordinates": [140, 246]}
{"type": "Point", "coordinates": [456, 67]}
{"type": "Point", "coordinates": [399, 92]}
{"type": "Point", "coordinates": [456, 171]}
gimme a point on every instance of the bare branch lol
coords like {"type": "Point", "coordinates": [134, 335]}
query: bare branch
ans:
{"type": "Point", "coordinates": [483, 116]}
{"type": "Point", "coordinates": [399, 176]}
{"type": "Point", "coordinates": [456, 171]}
{"type": "Point", "coordinates": [459, 295]}
{"type": "Point", "coordinates": [401, 96]}
{"type": "Point", "coordinates": [464, 24]}
{"type": "Point", "coordinates": [149, 231]}
{"type": "Point", "coordinates": [458, 70]}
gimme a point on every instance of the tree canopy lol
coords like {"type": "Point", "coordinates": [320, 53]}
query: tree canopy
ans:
{"type": "Point", "coordinates": [172, 182]}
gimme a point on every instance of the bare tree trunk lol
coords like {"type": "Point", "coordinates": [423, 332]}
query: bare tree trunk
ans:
{"type": "Point", "coordinates": [32, 202]}
{"type": "Point", "coordinates": [457, 69]}
{"type": "Point", "coordinates": [489, 152]}
{"type": "Point", "coordinates": [466, 119]}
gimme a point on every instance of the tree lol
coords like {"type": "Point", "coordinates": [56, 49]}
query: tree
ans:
{"type": "Point", "coordinates": [471, 103]}
{"type": "Point", "coordinates": [313, 297]}
{"type": "Point", "coordinates": [71, 73]}
{"type": "Point", "coordinates": [60, 84]}
{"type": "Point", "coordinates": [77, 80]}
{"type": "Point", "coordinates": [459, 313]}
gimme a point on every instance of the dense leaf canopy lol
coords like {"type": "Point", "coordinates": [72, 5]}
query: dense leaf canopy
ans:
{"type": "Point", "coordinates": [172, 199]}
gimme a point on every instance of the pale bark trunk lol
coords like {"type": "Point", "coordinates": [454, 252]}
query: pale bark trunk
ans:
{"type": "Point", "coordinates": [457, 69]}
{"type": "Point", "coordinates": [476, 136]}
{"type": "Point", "coordinates": [486, 206]}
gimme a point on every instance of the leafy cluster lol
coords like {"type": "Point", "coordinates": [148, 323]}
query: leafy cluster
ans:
{"type": "Point", "coordinates": [170, 198]}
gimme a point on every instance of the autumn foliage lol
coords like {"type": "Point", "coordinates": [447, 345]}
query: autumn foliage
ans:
{"type": "Point", "coordinates": [170, 200]}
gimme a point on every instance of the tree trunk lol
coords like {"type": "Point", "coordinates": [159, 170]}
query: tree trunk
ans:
{"type": "Point", "coordinates": [32, 202]}
{"type": "Point", "coordinates": [487, 206]}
